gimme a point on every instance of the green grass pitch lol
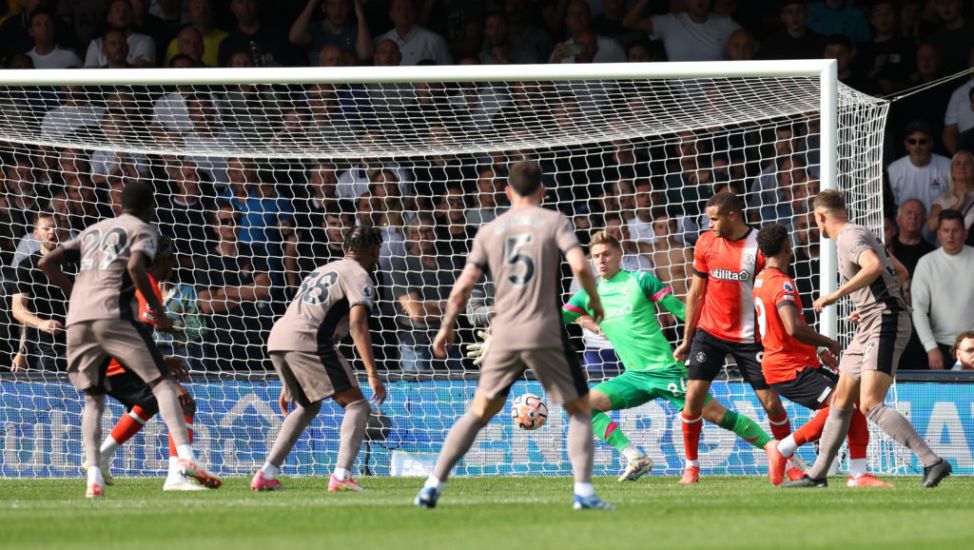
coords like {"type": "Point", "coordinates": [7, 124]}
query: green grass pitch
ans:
{"type": "Point", "coordinates": [490, 513]}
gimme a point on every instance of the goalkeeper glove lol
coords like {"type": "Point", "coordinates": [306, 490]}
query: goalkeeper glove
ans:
{"type": "Point", "coordinates": [478, 351]}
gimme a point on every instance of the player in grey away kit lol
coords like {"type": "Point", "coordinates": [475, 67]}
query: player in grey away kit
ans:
{"type": "Point", "coordinates": [869, 364]}
{"type": "Point", "coordinates": [112, 256]}
{"type": "Point", "coordinates": [522, 251]}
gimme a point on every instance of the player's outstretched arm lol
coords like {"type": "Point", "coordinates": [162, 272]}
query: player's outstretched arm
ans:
{"type": "Point", "coordinates": [871, 268]}
{"type": "Point", "coordinates": [583, 273]}
{"type": "Point", "coordinates": [52, 265]}
{"type": "Point", "coordinates": [456, 303]}
{"type": "Point", "coordinates": [358, 327]}
{"type": "Point", "coordinates": [140, 278]}
{"type": "Point", "coordinates": [795, 327]}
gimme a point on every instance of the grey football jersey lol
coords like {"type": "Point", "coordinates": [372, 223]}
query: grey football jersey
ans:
{"type": "Point", "coordinates": [318, 316]}
{"type": "Point", "coordinates": [103, 288]}
{"type": "Point", "coordinates": [884, 294]}
{"type": "Point", "coordinates": [522, 250]}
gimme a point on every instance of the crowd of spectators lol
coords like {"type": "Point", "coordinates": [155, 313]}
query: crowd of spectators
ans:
{"type": "Point", "coordinates": [247, 229]}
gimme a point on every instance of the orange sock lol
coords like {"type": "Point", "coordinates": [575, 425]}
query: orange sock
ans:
{"type": "Point", "coordinates": [691, 434]}
{"type": "Point", "coordinates": [812, 430]}
{"type": "Point", "coordinates": [189, 432]}
{"type": "Point", "coordinates": [780, 427]}
{"type": "Point", "coordinates": [858, 435]}
{"type": "Point", "coordinates": [129, 424]}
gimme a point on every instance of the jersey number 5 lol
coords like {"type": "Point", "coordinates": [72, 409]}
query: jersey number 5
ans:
{"type": "Point", "coordinates": [515, 256]}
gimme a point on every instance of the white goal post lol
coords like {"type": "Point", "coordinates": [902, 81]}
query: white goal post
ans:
{"type": "Point", "coordinates": [259, 170]}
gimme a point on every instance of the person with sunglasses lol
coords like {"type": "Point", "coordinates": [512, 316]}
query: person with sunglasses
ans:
{"type": "Point", "coordinates": [920, 174]}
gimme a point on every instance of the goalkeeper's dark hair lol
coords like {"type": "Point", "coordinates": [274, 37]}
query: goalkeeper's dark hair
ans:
{"type": "Point", "coordinates": [362, 238]}
{"type": "Point", "coordinates": [727, 202]}
{"type": "Point", "coordinates": [603, 237]}
{"type": "Point", "coordinates": [138, 196]}
{"type": "Point", "coordinates": [525, 177]}
{"type": "Point", "coordinates": [772, 239]}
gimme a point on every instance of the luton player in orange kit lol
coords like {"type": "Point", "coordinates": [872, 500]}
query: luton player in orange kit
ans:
{"type": "Point", "coordinates": [720, 321]}
{"type": "Point", "coordinates": [791, 361]}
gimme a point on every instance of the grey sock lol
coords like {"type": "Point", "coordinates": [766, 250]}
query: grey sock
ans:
{"type": "Point", "coordinates": [91, 428]}
{"type": "Point", "coordinates": [833, 434]}
{"type": "Point", "coordinates": [457, 443]}
{"type": "Point", "coordinates": [900, 429]}
{"type": "Point", "coordinates": [353, 428]}
{"type": "Point", "coordinates": [291, 429]}
{"type": "Point", "coordinates": [581, 446]}
{"type": "Point", "coordinates": [171, 411]}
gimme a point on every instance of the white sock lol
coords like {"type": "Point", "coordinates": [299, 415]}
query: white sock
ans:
{"type": "Point", "coordinates": [787, 446]}
{"type": "Point", "coordinates": [690, 463]}
{"type": "Point", "coordinates": [185, 452]}
{"type": "Point", "coordinates": [584, 490]}
{"type": "Point", "coordinates": [94, 476]}
{"type": "Point", "coordinates": [173, 467]}
{"type": "Point", "coordinates": [631, 452]}
{"type": "Point", "coordinates": [341, 474]}
{"type": "Point", "coordinates": [270, 471]}
{"type": "Point", "coordinates": [435, 483]}
{"type": "Point", "coordinates": [108, 448]}
{"type": "Point", "coordinates": [857, 467]}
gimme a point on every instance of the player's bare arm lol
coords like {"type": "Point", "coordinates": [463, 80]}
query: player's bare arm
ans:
{"type": "Point", "coordinates": [140, 278]}
{"type": "Point", "coordinates": [695, 300]}
{"type": "Point", "coordinates": [260, 289]}
{"type": "Point", "coordinates": [795, 327]}
{"type": "Point", "coordinates": [456, 303]}
{"type": "Point", "coordinates": [51, 264]}
{"type": "Point", "coordinates": [583, 273]}
{"type": "Point", "coordinates": [358, 327]}
{"type": "Point", "coordinates": [871, 268]}
{"type": "Point", "coordinates": [23, 314]}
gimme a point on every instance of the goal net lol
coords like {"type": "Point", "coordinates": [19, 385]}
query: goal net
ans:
{"type": "Point", "coordinates": [259, 173]}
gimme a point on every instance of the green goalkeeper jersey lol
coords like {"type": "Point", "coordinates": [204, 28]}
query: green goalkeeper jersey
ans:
{"type": "Point", "coordinates": [629, 300]}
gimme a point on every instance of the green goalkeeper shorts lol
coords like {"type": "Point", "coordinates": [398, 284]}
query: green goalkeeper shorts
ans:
{"type": "Point", "coordinates": [632, 389]}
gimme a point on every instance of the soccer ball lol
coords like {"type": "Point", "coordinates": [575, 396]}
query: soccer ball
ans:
{"type": "Point", "coordinates": [529, 412]}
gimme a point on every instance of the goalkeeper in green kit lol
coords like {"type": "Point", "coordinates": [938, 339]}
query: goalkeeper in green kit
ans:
{"type": "Point", "coordinates": [629, 299]}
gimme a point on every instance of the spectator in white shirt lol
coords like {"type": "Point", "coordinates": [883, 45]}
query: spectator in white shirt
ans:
{"type": "Point", "coordinates": [583, 44]}
{"type": "Point", "coordinates": [46, 53]}
{"type": "Point", "coordinates": [959, 117]}
{"type": "Point", "coordinates": [415, 43]}
{"type": "Point", "coordinates": [115, 48]}
{"type": "Point", "coordinates": [142, 49]}
{"type": "Point", "coordinates": [696, 35]}
{"type": "Point", "coordinates": [943, 296]}
{"type": "Point", "coordinates": [963, 350]}
{"type": "Point", "coordinates": [75, 114]}
{"type": "Point", "coordinates": [641, 225]}
{"type": "Point", "coordinates": [920, 174]}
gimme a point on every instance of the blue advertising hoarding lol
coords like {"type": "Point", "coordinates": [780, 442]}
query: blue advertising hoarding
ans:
{"type": "Point", "coordinates": [237, 421]}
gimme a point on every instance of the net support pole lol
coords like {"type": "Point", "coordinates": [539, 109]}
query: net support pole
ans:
{"type": "Point", "coordinates": [828, 280]}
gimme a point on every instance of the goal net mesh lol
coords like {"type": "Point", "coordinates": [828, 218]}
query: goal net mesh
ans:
{"type": "Point", "coordinates": [256, 185]}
